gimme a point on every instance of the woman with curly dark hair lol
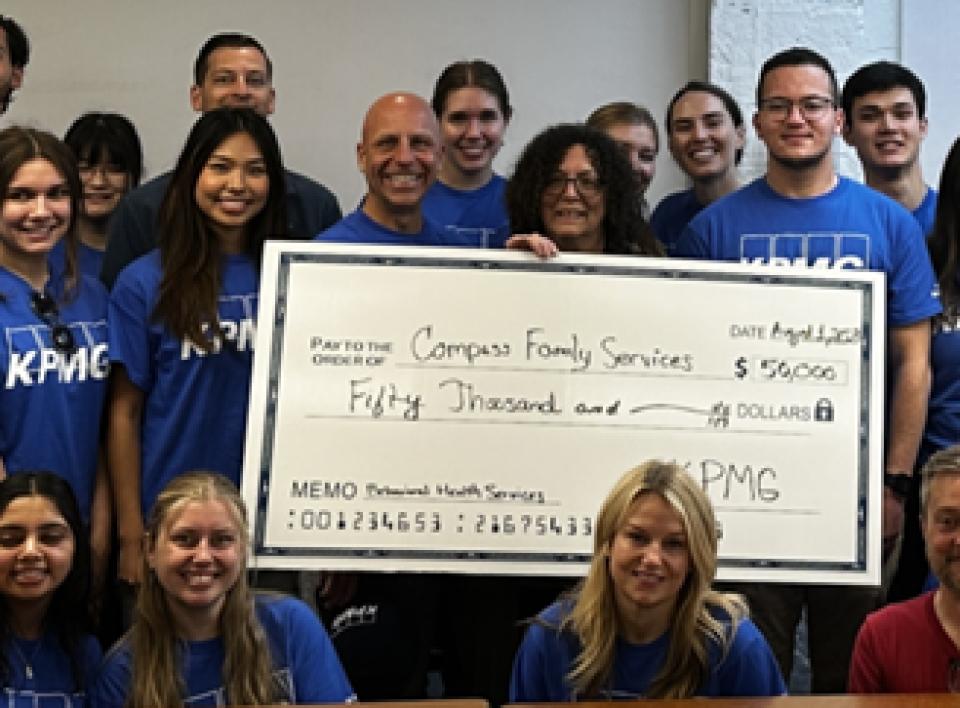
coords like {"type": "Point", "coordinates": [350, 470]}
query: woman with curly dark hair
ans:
{"type": "Point", "coordinates": [573, 185]}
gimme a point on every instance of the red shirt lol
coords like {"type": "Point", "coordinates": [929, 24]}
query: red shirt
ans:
{"type": "Point", "coordinates": [903, 648]}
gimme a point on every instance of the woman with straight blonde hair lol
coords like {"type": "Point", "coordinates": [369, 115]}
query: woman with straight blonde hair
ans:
{"type": "Point", "coordinates": [645, 621]}
{"type": "Point", "coordinates": [199, 635]}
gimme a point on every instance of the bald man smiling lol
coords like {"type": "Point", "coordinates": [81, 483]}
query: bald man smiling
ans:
{"type": "Point", "coordinates": [398, 154]}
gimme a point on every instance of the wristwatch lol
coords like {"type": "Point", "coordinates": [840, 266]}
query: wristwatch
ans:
{"type": "Point", "coordinates": [898, 482]}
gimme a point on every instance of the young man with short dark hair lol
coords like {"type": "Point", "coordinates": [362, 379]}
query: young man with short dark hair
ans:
{"type": "Point", "coordinates": [801, 213]}
{"type": "Point", "coordinates": [884, 109]}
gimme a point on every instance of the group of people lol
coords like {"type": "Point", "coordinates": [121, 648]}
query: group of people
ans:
{"type": "Point", "coordinates": [129, 311]}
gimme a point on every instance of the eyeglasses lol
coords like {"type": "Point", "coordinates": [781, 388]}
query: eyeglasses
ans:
{"type": "Point", "coordinates": [811, 107]}
{"type": "Point", "coordinates": [45, 307]}
{"type": "Point", "coordinates": [587, 186]}
{"type": "Point", "coordinates": [108, 171]}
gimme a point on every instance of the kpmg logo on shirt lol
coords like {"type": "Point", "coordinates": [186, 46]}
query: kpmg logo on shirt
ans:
{"type": "Point", "coordinates": [32, 359]}
{"type": "Point", "coordinates": [809, 250]}
{"type": "Point", "coordinates": [476, 236]}
{"type": "Point", "coordinates": [282, 683]}
{"type": "Point", "coordinates": [948, 321]}
{"type": "Point", "coordinates": [43, 699]}
{"type": "Point", "coordinates": [237, 326]}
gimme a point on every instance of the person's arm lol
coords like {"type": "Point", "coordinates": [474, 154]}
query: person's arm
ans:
{"type": "Point", "coordinates": [318, 676]}
{"type": "Point", "coordinates": [909, 372]}
{"type": "Point", "coordinates": [536, 243]}
{"type": "Point", "coordinates": [535, 669]}
{"type": "Point", "coordinates": [123, 451]}
{"type": "Point", "coordinates": [99, 526]}
{"type": "Point", "coordinates": [111, 688]}
{"type": "Point", "coordinates": [749, 667]}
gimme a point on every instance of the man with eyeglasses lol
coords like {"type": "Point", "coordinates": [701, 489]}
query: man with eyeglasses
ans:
{"type": "Point", "coordinates": [801, 213]}
{"type": "Point", "coordinates": [14, 55]}
{"type": "Point", "coordinates": [230, 70]}
{"type": "Point", "coordinates": [914, 646]}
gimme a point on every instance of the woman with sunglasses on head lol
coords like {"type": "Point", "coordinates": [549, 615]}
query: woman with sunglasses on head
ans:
{"type": "Point", "coordinates": [182, 319]}
{"type": "Point", "coordinates": [110, 161]}
{"type": "Point", "coordinates": [573, 185]}
{"type": "Point", "coordinates": [473, 108]}
{"type": "Point", "coordinates": [645, 623]}
{"type": "Point", "coordinates": [199, 635]}
{"type": "Point", "coordinates": [53, 348]}
{"type": "Point", "coordinates": [47, 657]}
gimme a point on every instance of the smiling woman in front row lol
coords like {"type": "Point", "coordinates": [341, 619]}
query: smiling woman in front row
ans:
{"type": "Point", "coordinates": [199, 635]}
{"type": "Point", "coordinates": [44, 579]}
{"type": "Point", "coordinates": [645, 621]}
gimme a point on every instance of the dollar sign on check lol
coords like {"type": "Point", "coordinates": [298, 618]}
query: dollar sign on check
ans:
{"type": "Point", "coordinates": [741, 367]}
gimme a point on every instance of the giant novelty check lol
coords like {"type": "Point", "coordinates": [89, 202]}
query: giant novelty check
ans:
{"type": "Point", "coordinates": [468, 411]}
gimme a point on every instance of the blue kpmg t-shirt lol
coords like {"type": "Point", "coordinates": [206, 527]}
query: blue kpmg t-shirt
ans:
{"type": "Point", "coordinates": [89, 260]}
{"type": "Point", "coordinates": [51, 404]}
{"type": "Point", "coordinates": [546, 656]}
{"type": "Point", "coordinates": [195, 403]}
{"type": "Point", "coordinates": [926, 213]}
{"type": "Point", "coordinates": [357, 227]}
{"type": "Point", "coordinates": [305, 664]}
{"type": "Point", "coordinates": [851, 226]}
{"type": "Point", "coordinates": [51, 682]}
{"type": "Point", "coordinates": [479, 215]}
{"type": "Point", "coordinates": [943, 411]}
{"type": "Point", "coordinates": [671, 217]}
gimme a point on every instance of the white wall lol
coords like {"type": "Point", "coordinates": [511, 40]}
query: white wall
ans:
{"type": "Point", "coordinates": [560, 58]}
{"type": "Point", "coordinates": [930, 32]}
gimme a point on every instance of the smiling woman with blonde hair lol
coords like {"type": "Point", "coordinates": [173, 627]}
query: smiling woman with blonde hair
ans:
{"type": "Point", "coordinates": [200, 636]}
{"type": "Point", "coordinates": [645, 621]}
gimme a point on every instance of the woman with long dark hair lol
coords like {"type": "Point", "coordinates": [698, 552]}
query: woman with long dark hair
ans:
{"type": "Point", "coordinates": [182, 319]}
{"type": "Point", "coordinates": [47, 657]}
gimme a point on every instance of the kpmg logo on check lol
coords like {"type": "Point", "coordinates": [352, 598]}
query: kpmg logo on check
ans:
{"type": "Point", "coordinates": [811, 250]}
